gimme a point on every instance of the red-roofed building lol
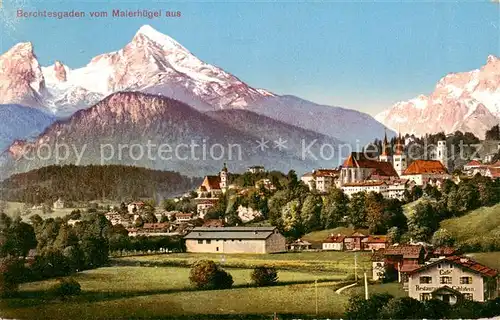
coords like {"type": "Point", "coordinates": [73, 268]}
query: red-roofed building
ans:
{"type": "Point", "coordinates": [453, 279]}
{"type": "Point", "coordinates": [421, 171]}
{"type": "Point", "coordinates": [493, 173]}
{"type": "Point", "coordinates": [401, 258]}
{"type": "Point", "coordinates": [374, 243]}
{"type": "Point", "coordinates": [359, 167]}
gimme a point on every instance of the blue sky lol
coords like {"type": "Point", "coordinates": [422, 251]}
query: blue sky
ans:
{"type": "Point", "coordinates": [364, 55]}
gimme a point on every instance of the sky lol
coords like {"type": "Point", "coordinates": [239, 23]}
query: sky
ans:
{"type": "Point", "coordinates": [364, 55]}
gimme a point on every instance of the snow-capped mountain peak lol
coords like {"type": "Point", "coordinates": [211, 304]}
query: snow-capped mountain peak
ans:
{"type": "Point", "coordinates": [162, 40]}
{"type": "Point", "coordinates": [466, 101]}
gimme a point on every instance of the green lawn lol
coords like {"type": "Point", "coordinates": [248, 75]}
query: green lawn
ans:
{"type": "Point", "coordinates": [160, 292]}
{"type": "Point", "coordinates": [340, 263]}
{"type": "Point", "coordinates": [483, 222]}
{"type": "Point", "coordinates": [394, 288]}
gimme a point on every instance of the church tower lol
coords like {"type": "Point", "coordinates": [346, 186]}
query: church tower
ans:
{"type": "Point", "coordinates": [400, 162]}
{"type": "Point", "coordinates": [442, 153]}
{"type": "Point", "coordinates": [224, 178]}
{"type": "Point", "coordinates": [384, 156]}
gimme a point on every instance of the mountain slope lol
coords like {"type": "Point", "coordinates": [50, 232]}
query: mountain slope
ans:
{"type": "Point", "coordinates": [18, 122]}
{"type": "Point", "coordinates": [272, 130]}
{"type": "Point", "coordinates": [149, 131]}
{"type": "Point", "coordinates": [352, 126]}
{"type": "Point", "coordinates": [466, 101]}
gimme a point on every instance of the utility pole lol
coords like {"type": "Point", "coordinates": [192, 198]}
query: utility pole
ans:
{"type": "Point", "coordinates": [366, 287]}
{"type": "Point", "coordinates": [356, 266]}
{"type": "Point", "coordinates": [316, 293]}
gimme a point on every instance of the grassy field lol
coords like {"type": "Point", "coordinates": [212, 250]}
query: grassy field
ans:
{"type": "Point", "coordinates": [490, 259]}
{"type": "Point", "coordinates": [394, 288]}
{"type": "Point", "coordinates": [14, 207]}
{"type": "Point", "coordinates": [340, 263]}
{"type": "Point", "coordinates": [155, 292]}
{"type": "Point", "coordinates": [483, 222]}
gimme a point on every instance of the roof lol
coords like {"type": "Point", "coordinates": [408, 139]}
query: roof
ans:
{"type": "Point", "coordinates": [231, 233]}
{"type": "Point", "coordinates": [360, 160]}
{"type": "Point", "coordinates": [444, 251]}
{"type": "Point", "coordinates": [425, 167]}
{"type": "Point", "coordinates": [375, 239]}
{"type": "Point", "coordinates": [213, 182]}
{"type": "Point", "coordinates": [183, 214]}
{"type": "Point", "coordinates": [494, 172]}
{"type": "Point", "coordinates": [405, 250]}
{"type": "Point", "coordinates": [463, 262]}
{"type": "Point", "coordinates": [301, 242]}
{"type": "Point", "coordinates": [326, 173]}
{"type": "Point", "coordinates": [213, 223]}
{"type": "Point", "coordinates": [496, 164]}
{"type": "Point", "coordinates": [155, 225]}
{"type": "Point", "coordinates": [473, 163]}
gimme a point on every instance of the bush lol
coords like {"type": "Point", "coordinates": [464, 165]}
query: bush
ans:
{"type": "Point", "coordinates": [436, 309]}
{"type": "Point", "coordinates": [402, 308]}
{"type": "Point", "coordinates": [264, 276]}
{"type": "Point", "coordinates": [359, 308]}
{"type": "Point", "coordinates": [205, 274]}
{"type": "Point", "coordinates": [12, 272]}
{"type": "Point", "coordinates": [67, 288]}
{"type": "Point", "coordinates": [467, 310]}
{"type": "Point", "coordinates": [491, 308]}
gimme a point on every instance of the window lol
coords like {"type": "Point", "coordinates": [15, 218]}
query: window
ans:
{"type": "Point", "coordinates": [217, 249]}
{"type": "Point", "coordinates": [209, 241]}
{"type": "Point", "coordinates": [468, 296]}
{"type": "Point", "coordinates": [439, 266]}
{"type": "Point", "coordinates": [451, 266]}
{"type": "Point", "coordinates": [465, 280]}
{"type": "Point", "coordinates": [445, 280]}
{"type": "Point", "coordinates": [425, 279]}
{"type": "Point", "coordinates": [200, 241]}
{"type": "Point", "coordinates": [425, 296]}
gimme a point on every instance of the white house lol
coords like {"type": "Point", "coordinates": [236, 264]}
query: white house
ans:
{"type": "Point", "coordinates": [366, 186]}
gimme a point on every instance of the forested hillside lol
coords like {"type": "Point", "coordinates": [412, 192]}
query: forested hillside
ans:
{"type": "Point", "coordinates": [86, 183]}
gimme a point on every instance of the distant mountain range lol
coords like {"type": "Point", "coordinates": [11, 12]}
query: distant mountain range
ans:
{"type": "Point", "coordinates": [465, 101]}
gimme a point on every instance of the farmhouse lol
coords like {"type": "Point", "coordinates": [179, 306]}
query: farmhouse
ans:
{"type": "Point", "coordinates": [235, 240]}
{"type": "Point", "coordinates": [299, 245]}
{"type": "Point", "coordinates": [452, 279]}
{"type": "Point", "coordinates": [374, 243]}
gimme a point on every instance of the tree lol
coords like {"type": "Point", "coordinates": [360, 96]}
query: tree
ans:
{"type": "Point", "coordinates": [264, 276]}
{"type": "Point", "coordinates": [442, 237]}
{"type": "Point", "coordinates": [493, 133]}
{"type": "Point", "coordinates": [334, 209]}
{"type": "Point", "coordinates": [292, 221]}
{"type": "Point", "coordinates": [150, 217]}
{"type": "Point", "coordinates": [357, 210]}
{"type": "Point", "coordinates": [139, 222]}
{"type": "Point", "coordinates": [402, 308]}
{"type": "Point", "coordinates": [311, 212]}
{"type": "Point", "coordinates": [205, 274]}
{"type": "Point", "coordinates": [11, 275]}
{"type": "Point", "coordinates": [423, 222]}
{"type": "Point", "coordinates": [375, 220]}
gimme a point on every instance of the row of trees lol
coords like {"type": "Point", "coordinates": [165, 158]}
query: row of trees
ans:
{"type": "Point", "coordinates": [385, 306]}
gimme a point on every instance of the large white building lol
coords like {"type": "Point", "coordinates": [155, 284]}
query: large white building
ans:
{"type": "Point", "coordinates": [452, 279]}
{"type": "Point", "coordinates": [235, 240]}
{"type": "Point", "coordinates": [321, 179]}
